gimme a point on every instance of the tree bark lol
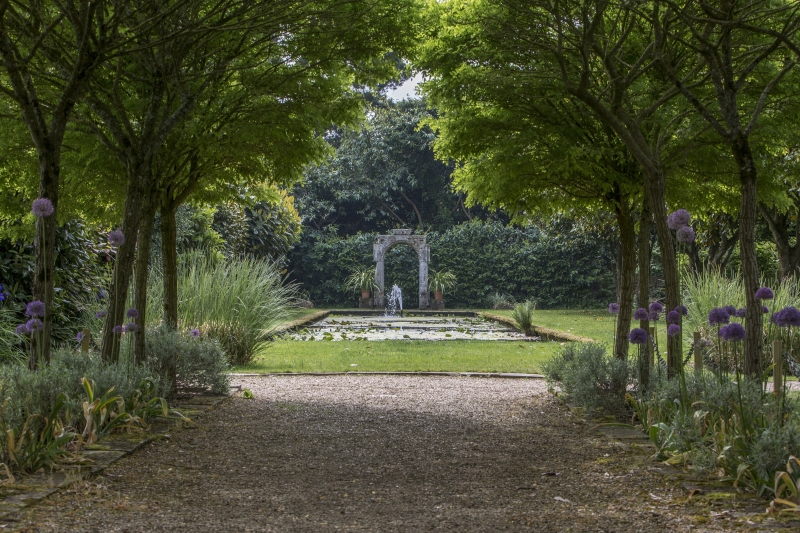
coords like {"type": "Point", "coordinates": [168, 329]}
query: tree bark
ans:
{"type": "Point", "coordinates": [126, 255]}
{"type": "Point", "coordinates": [788, 255]}
{"type": "Point", "coordinates": [45, 249]}
{"type": "Point", "coordinates": [169, 258]}
{"type": "Point", "coordinates": [644, 257]}
{"type": "Point", "coordinates": [747, 249]}
{"type": "Point", "coordinates": [140, 281]}
{"type": "Point", "coordinates": [627, 238]}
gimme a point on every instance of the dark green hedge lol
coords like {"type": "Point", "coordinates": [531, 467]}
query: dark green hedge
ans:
{"type": "Point", "coordinates": [560, 266]}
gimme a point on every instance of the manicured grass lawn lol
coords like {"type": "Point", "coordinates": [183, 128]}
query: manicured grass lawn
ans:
{"type": "Point", "coordinates": [596, 324]}
{"type": "Point", "coordinates": [453, 356]}
{"type": "Point", "coordinates": [401, 356]}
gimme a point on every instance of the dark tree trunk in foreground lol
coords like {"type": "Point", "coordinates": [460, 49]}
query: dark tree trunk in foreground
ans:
{"type": "Point", "coordinates": [627, 239]}
{"type": "Point", "coordinates": [140, 281]}
{"type": "Point", "coordinates": [126, 255]}
{"type": "Point", "coordinates": [169, 257]}
{"type": "Point", "coordinates": [644, 256]}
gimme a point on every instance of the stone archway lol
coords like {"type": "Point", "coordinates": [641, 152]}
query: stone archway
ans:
{"type": "Point", "coordinates": [386, 243]}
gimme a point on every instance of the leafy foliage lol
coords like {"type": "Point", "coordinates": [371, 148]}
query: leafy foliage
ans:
{"type": "Point", "coordinates": [561, 265]}
{"type": "Point", "coordinates": [199, 362]}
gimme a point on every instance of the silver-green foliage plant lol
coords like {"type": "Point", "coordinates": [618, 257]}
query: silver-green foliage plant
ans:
{"type": "Point", "coordinates": [441, 281]}
{"type": "Point", "coordinates": [241, 302]}
{"type": "Point", "coordinates": [361, 279]}
{"type": "Point", "coordinates": [523, 315]}
{"type": "Point", "coordinates": [44, 410]}
{"type": "Point", "coordinates": [199, 362]}
{"type": "Point", "coordinates": [590, 378]}
{"type": "Point", "coordinates": [721, 427]}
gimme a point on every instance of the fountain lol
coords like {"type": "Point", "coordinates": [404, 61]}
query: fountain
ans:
{"type": "Point", "coordinates": [394, 302]}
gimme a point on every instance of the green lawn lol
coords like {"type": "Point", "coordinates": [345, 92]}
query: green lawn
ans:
{"type": "Point", "coordinates": [596, 324]}
{"type": "Point", "coordinates": [455, 356]}
{"type": "Point", "coordinates": [401, 356]}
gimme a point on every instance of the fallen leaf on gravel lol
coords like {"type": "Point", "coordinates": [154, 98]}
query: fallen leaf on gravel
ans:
{"type": "Point", "coordinates": [560, 499]}
{"type": "Point", "coordinates": [656, 498]}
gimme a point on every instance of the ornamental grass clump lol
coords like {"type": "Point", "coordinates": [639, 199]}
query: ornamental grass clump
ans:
{"type": "Point", "coordinates": [239, 303]}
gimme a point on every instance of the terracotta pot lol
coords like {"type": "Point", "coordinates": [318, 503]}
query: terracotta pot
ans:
{"type": "Point", "coordinates": [437, 295]}
{"type": "Point", "coordinates": [365, 294]}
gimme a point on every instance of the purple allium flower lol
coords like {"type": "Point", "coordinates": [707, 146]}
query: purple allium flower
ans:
{"type": "Point", "coordinates": [118, 329]}
{"type": "Point", "coordinates": [101, 294]}
{"type": "Point", "coordinates": [637, 336]}
{"type": "Point", "coordinates": [678, 219]}
{"type": "Point", "coordinates": [765, 308]}
{"type": "Point", "coordinates": [640, 314]}
{"type": "Point", "coordinates": [682, 309]}
{"type": "Point", "coordinates": [42, 207]}
{"type": "Point", "coordinates": [732, 332]}
{"type": "Point", "coordinates": [79, 336]}
{"type": "Point", "coordinates": [116, 238]}
{"type": "Point", "coordinates": [132, 313]}
{"type": "Point", "coordinates": [673, 317]}
{"type": "Point", "coordinates": [730, 309]}
{"type": "Point", "coordinates": [718, 315]}
{"type": "Point", "coordinates": [35, 308]}
{"type": "Point", "coordinates": [777, 318]}
{"type": "Point", "coordinates": [653, 315]}
{"type": "Point", "coordinates": [673, 329]}
{"type": "Point", "coordinates": [100, 314]}
{"type": "Point", "coordinates": [195, 333]}
{"type": "Point", "coordinates": [790, 317]}
{"type": "Point", "coordinates": [685, 234]}
{"type": "Point", "coordinates": [131, 327]}
{"type": "Point", "coordinates": [33, 325]}
{"type": "Point", "coordinates": [613, 308]}
{"type": "Point", "coordinates": [764, 293]}
{"type": "Point", "coordinates": [657, 307]}
{"type": "Point", "coordinates": [22, 329]}
{"type": "Point", "coordinates": [741, 313]}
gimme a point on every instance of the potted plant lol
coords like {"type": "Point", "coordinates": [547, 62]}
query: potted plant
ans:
{"type": "Point", "coordinates": [440, 281]}
{"type": "Point", "coordinates": [362, 279]}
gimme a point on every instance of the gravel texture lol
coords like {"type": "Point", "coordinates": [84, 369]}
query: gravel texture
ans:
{"type": "Point", "coordinates": [382, 454]}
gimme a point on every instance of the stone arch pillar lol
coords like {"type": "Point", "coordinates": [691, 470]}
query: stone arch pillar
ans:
{"type": "Point", "coordinates": [383, 244]}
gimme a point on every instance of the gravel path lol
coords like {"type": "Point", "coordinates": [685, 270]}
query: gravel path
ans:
{"type": "Point", "coordinates": [380, 454]}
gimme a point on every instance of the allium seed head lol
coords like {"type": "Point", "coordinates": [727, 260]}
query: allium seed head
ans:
{"type": "Point", "coordinates": [33, 325]}
{"type": "Point", "coordinates": [79, 336]}
{"type": "Point", "coordinates": [118, 329]}
{"type": "Point", "coordinates": [116, 238]}
{"type": "Point", "coordinates": [132, 313]}
{"type": "Point", "coordinates": [685, 234]}
{"type": "Point", "coordinates": [673, 329]}
{"type": "Point", "coordinates": [42, 207]}
{"type": "Point", "coordinates": [673, 317]}
{"type": "Point", "coordinates": [731, 310]}
{"type": "Point", "coordinates": [22, 329]}
{"type": "Point", "coordinates": [652, 316]}
{"type": "Point", "coordinates": [790, 317]}
{"type": "Point", "coordinates": [613, 308]}
{"type": "Point", "coordinates": [682, 309]}
{"type": "Point", "coordinates": [640, 314]}
{"type": "Point", "coordinates": [637, 336]}
{"type": "Point", "coordinates": [741, 313]}
{"type": "Point", "coordinates": [195, 333]}
{"type": "Point", "coordinates": [764, 293]}
{"type": "Point", "coordinates": [718, 316]}
{"type": "Point", "coordinates": [765, 309]}
{"type": "Point", "coordinates": [35, 308]}
{"type": "Point", "coordinates": [100, 314]}
{"type": "Point", "coordinates": [131, 327]}
{"type": "Point", "coordinates": [733, 332]}
{"type": "Point", "coordinates": [657, 307]}
{"type": "Point", "coordinates": [678, 219]}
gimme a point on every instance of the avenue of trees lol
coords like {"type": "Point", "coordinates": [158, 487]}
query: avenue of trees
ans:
{"type": "Point", "coordinates": [637, 108]}
{"type": "Point", "coordinates": [119, 112]}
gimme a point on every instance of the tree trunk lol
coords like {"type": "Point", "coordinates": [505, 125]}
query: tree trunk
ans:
{"type": "Point", "coordinates": [645, 253]}
{"type": "Point", "coordinates": [788, 255]}
{"type": "Point", "coordinates": [140, 281]}
{"type": "Point", "coordinates": [123, 267]}
{"type": "Point", "coordinates": [169, 258]}
{"type": "Point", "coordinates": [627, 274]}
{"type": "Point", "coordinates": [747, 248]}
{"type": "Point", "coordinates": [654, 189]}
{"type": "Point", "coordinates": [45, 249]}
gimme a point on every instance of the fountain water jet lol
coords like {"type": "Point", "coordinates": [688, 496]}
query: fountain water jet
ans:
{"type": "Point", "coordinates": [394, 302]}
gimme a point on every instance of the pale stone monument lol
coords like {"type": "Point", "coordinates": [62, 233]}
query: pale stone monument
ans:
{"type": "Point", "coordinates": [386, 243]}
